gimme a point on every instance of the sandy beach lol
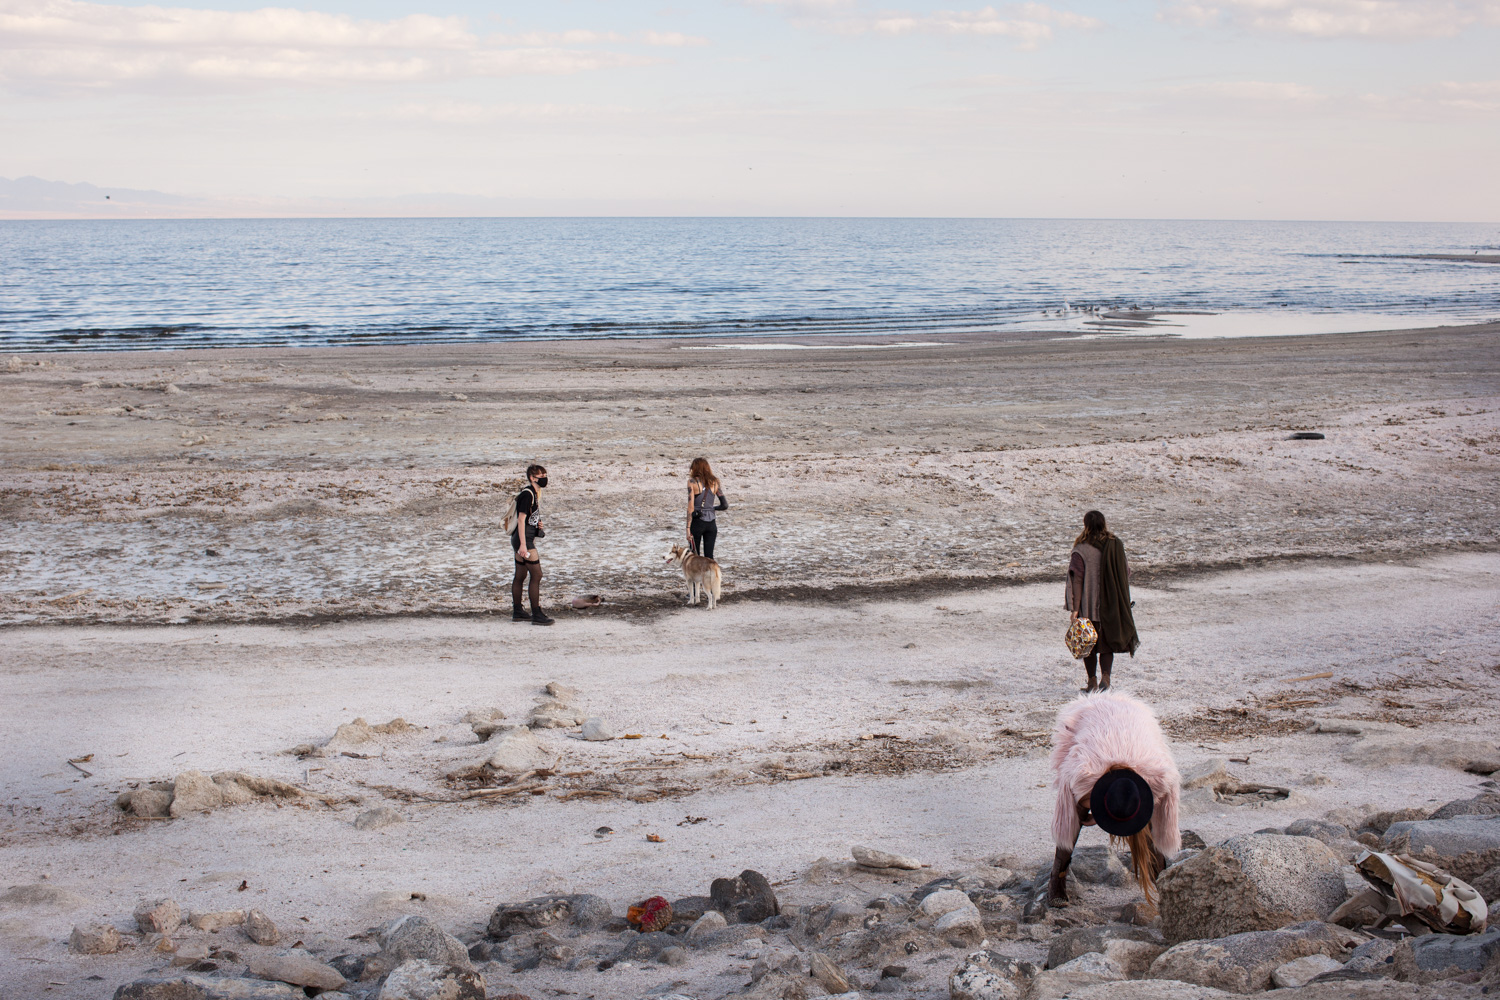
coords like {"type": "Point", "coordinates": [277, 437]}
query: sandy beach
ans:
{"type": "Point", "coordinates": [208, 559]}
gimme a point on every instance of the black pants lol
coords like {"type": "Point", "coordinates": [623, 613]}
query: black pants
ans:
{"type": "Point", "coordinates": [531, 568]}
{"type": "Point", "coordinates": [1098, 658]}
{"type": "Point", "coordinates": [705, 533]}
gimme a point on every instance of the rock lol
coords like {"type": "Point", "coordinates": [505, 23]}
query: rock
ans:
{"type": "Point", "coordinates": [690, 908]}
{"type": "Point", "coordinates": [1445, 837]}
{"type": "Point", "coordinates": [673, 955]}
{"type": "Point", "coordinates": [582, 910]}
{"type": "Point", "coordinates": [561, 692]}
{"type": "Point", "coordinates": [415, 937]}
{"type": "Point", "coordinates": [190, 953]}
{"type": "Point", "coordinates": [1249, 883]}
{"type": "Point", "coordinates": [1375, 955]}
{"type": "Point", "coordinates": [708, 924]}
{"type": "Point", "coordinates": [989, 975]}
{"type": "Point", "coordinates": [151, 802]}
{"type": "Point", "coordinates": [1488, 884]}
{"type": "Point", "coordinates": [195, 987]}
{"type": "Point", "coordinates": [963, 926]}
{"type": "Point", "coordinates": [476, 715]}
{"type": "Point", "coordinates": [374, 819]}
{"type": "Point", "coordinates": [1328, 833]}
{"type": "Point", "coordinates": [261, 929]}
{"type": "Point", "coordinates": [1487, 766]}
{"type": "Point", "coordinates": [1207, 774]}
{"type": "Point", "coordinates": [1098, 865]}
{"type": "Point", "coordinates": [555, 715]}
{"type": "Point", "coordinates": [1153, 989]}
{"type": "Point", "coordinates": [1378, 823]}
{"type": "Point", "coordinates": [1301, 971]}
{"type": "Point", "coordinates": [1243, 963]}
{"type": "Point", "coordinates": [871, 858]}
{"type": "Point", "coordinates": [1082, 940]}
{"type": "Point", "coordinates": [1063, 981]}
{"type": "Point", "coordinates": [827, 972]}
{"type": "Point", "coordinates": [157, 916]}
{"type": "Point", "coordinates": [746, 899]}
{"type": "Point", "coordinates": [596, 729]}
{"type": "Point", "coordinates": [194, 791]}
{"type": "Point", "coordinates": [1134, 958]}
{"type": "Point", "coordinates": [489, 727]}
{"type": "Point", "coordinates": [296, 967]}
{"type": "Point", "coordinates": [216, 921]}
{"type": "Point", "coordinates": [936, 904]}
{"type": "Point", "coordinates": [418, 979]}
{"type": "Point", "coordinates": [516, 751]}
{"type": "Point", "coordinates": [94, 939]}
{"type": "Point", "coordinates": [1443, 956]}
{"type": "Point", "coordinates": [1487, 804]}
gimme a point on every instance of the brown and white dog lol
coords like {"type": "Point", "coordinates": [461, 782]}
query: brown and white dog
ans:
{"type": "Point", "coordinates": [702, 573]}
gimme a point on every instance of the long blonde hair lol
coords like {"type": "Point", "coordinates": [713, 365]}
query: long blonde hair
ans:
{"type": "Point", "coordinates": [700, 471]}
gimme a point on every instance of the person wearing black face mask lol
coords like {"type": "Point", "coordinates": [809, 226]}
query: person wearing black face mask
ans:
{"type": "Point", "coordinates": [523, 536]}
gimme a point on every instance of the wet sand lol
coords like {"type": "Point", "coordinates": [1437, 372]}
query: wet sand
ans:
{"type": "Point", "coordinates": [884, 669]}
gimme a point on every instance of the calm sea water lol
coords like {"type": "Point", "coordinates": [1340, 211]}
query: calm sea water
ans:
{"type": "Point", "coordinates": [115, 285]}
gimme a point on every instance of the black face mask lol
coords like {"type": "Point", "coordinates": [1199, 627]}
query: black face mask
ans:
{"type": "Point", "coordinates": [541, 481]}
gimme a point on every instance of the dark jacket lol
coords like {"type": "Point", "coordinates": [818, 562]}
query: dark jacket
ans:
{"type": "Point", "coordinates": [1116, 624]}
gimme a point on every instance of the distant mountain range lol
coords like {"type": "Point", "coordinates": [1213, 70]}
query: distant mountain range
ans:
{"type": "Point", "coordinates": [35, 198]}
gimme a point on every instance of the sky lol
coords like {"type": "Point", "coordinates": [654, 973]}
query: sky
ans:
{"type": "Point", "coordinates": [1224, 109]}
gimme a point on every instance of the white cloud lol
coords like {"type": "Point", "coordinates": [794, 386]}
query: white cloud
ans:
{"type": "Point", "coordinates": [72, 43]}
{"type": "Point", "coordinates": [1028, 24]}
{"type": "Point", "coordinates": [1394, 20]}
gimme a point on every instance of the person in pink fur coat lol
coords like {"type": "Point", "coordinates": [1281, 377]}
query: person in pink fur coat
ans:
{"type": "Point", "coordinates": [1113, 770]}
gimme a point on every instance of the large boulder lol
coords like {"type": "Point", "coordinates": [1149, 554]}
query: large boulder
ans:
{"type": "Point", "coordinates": [1250, 883]}
{"type": "Point", "coordinates": [1243, 963]}
{"type": "Point", "coordinates": [746, 899]}
{"type": "Point", "coordinates": [1443, 956]}
{"type": "Point", "coordinates": [989, 975]}
{"type": "Point", "coordinates": [423, 980]}
{"type": "Point", "coordinates": [191, 987]}
{"type": "Point", "coordinates": [1444, 837]}
{"type": "Point", "coordinates": [415, 937]}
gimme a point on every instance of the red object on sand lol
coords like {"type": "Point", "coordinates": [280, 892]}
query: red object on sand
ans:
{"type": "Point", "coordinates": [651, 914]}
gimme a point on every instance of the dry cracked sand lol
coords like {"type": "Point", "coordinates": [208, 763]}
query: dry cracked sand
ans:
{"type": "Point", "coordinates": [204, 579]}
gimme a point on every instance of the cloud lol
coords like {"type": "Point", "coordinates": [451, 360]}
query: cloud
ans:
{"type": "Point", "coordinates": [76, 44]}
{"type": "Point", "coordinates": [1028, 24]}
{"type": "Point", "coordinates": [1393, 20]}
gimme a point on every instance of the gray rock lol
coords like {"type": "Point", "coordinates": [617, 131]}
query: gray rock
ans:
{"type": "Point", "coordinates": [1328, 833]}
{"type": "Point", "coordinates": [1485, 804]}
{"type": "Point", "coordinates": [871, 858]}
{"type": "Point", "coordinates": [1151, 989]}
{"type": "Point", "coordinates": [690, 908]}
{"type": "Point", "coordinates": [1066, 979]}
{"type": "Point", "coordinates": [217, 920]}
{"type": "Point", "coordinates": [555, 715]}
{"type": "Point", "coordinates": [1443, 956]}
{"type": "Point", "coordinates": [990, 975]}
{"type": "Point", "coordinates": [413, 937]}
{"type": "Point", "coordinates": [1445, 837]}
{"type": "Point", "coordinates": [561, 692]}
{"type": "Point", "coordinates": [961, 926]}
{"type": "Point", "coordinates": [1243, 963]}
{"type": "Point", "coordinates": [584, 911]}
{"type": "Point", "coordinates": [374, 819]}
{"type": "Point", "coordinates": [190, 953]}
{"type": "Point", "coordinates": [1375, 955]}
{"type": "Point", "coordinates": [94, 939]}
{"type": "Point", "coordinates": [779, 960]}
{"type": "Point", "coordinates": [151, 802]}
{"type": "Point", "coordinates": [418, 979]}
{"type": "Point", "coordinates": [936, 904]}
{"type": "Point", "coordinates": [261, 929]}
{"type": "Point", "coordinates": [705, 926]}
{"type": "Point", "coordinates": [194, 987]}
{"type": "Point", "coordinates": [194, 791]}
{"type": "Point", "coordinates": [644, 947]}
{"type": "Point", "coordinates": [157, 916]}
{"type": "Point", "coordinates": [746, 899]}
{"type": "Point", "coordinates": [296, 967]}
{"type": "Point", "coordinates": [1098, 865]}
{"type": "Point", "coordinates": [1301, 971]}
{"type": "Point", "coordinates": [673, 955]}
{"type": "Point", "coordinates": [1250, 883]}
{"type": "Point", "coordinates": [517, 751]}
{"type": "Point", "coordinates": [1082, 940]}
{"type": "Point", "coordinates": [597, 730]}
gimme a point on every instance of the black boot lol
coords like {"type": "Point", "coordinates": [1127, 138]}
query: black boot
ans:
{"type": "Point", "coordinates": [519, 614]}
{"type": "Point", "coordinates": [540, 617]}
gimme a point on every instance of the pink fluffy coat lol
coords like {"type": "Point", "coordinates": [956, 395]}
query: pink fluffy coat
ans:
{"type": "Point", "coordinates": [1098, 732]}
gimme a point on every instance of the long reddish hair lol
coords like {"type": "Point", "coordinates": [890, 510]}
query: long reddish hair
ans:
{"type": "Point", "coordinates": [700, 471]}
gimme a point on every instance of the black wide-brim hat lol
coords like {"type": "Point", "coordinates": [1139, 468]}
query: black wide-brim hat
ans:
{"type": "Point", "coordinates": [1121, 802]}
